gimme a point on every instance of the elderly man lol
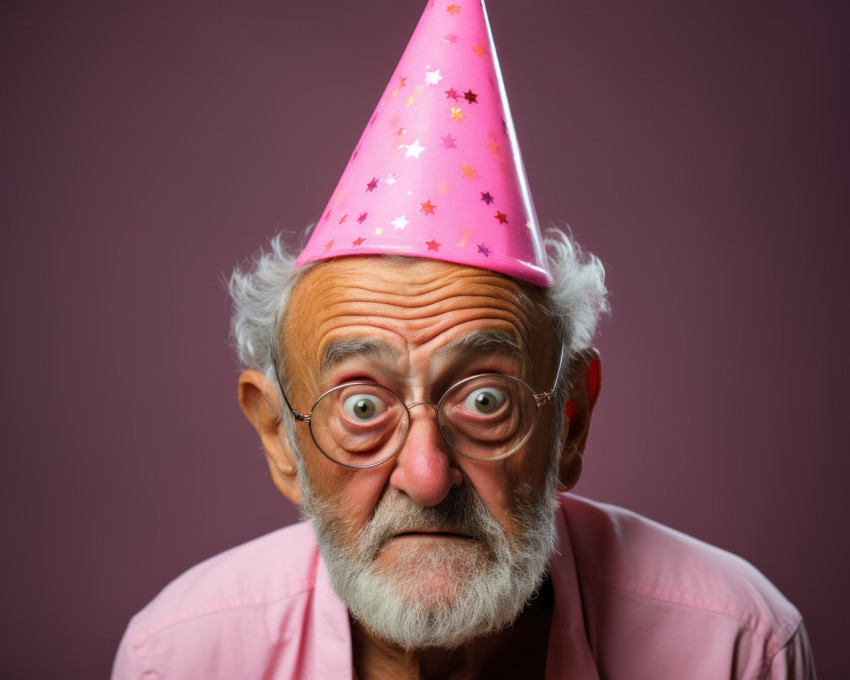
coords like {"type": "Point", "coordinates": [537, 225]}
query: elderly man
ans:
{"type": "Point", "coordinates": [422, 381]}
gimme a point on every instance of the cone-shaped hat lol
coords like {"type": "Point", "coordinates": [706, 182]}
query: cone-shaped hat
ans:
{"type": "Point", "coordinates": [437, 172]}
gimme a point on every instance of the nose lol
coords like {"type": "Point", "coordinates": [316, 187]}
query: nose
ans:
{"type": "Point", "coordinates": [425, 469]}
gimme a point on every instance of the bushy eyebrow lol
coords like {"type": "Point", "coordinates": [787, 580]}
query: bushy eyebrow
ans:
{"type": "Point", "coordinates": [338, 351]}
{"type": "Point", "coordinates": [476, 342]}
{"type": "Point", "coordinates": [483, 341]}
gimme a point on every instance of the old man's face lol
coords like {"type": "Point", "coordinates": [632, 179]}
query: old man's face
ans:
{"type": "Point", "coordinates": [427, 532]}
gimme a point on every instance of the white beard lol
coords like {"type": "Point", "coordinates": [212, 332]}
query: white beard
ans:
{"type": "Point", "coordinates": [439, 592]}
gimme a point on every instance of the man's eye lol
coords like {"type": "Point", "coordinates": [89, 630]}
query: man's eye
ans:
{"type": "Point", "coordinates": [484, 400]}
{"type": "Point", "coordinates": [362, 406]}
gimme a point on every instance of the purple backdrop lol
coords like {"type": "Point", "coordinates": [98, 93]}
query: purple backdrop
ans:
{"type": "Point", "coordinates": [699, 148]}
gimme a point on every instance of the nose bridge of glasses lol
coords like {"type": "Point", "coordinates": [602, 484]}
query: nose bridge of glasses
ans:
{"type": "Point", "coordinates": [422, 403]}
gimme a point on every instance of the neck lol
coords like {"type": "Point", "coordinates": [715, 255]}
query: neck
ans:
{"type": "Point", "coordinates": [517, 651]}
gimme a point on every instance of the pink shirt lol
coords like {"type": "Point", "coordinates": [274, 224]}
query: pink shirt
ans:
{"type": "Point", "coordinates": [634, 600]}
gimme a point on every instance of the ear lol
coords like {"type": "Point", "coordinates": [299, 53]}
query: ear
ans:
{"type": "Point", "coordinates": [586, 382]}
{"type": "Point", "coordinates": [260, 402]}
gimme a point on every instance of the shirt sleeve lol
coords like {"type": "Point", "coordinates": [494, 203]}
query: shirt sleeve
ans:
{"type": "Point", "coordinates": [794, 661]}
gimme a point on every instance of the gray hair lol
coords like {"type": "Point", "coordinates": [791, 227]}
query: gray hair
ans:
{"type": "Point", "coordinates": [262, 289]}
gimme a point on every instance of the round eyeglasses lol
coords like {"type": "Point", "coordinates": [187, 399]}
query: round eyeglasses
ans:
{"type": "Point", "coordinates": [484, 417]}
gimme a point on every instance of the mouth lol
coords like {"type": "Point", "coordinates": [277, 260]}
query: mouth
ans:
{"type": "Point", "coordinates": [433, 532]}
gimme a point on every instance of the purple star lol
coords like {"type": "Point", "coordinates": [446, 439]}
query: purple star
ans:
{"type": "Point", "coordinates": [484, 250]}
{"type": "Point", "coordinates": [448, 142]}
{"type": "Point", "coordinates": [487, 197]}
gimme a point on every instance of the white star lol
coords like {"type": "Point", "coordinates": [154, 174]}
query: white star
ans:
{"type": "Point", "coordinates": [400, 222]}
{"type": "Point", "coordinates": [413, 149]}
{"type": "Point", "coordinates": [432, 77]}
{"type": "Point", "coordinates": [392, 179]}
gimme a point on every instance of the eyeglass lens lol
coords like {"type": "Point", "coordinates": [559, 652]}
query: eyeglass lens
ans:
{"type": "Point", "coordinates": [363, 424]}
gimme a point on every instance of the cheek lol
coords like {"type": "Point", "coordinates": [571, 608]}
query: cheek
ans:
{"type": "Point", "coordinates": [498, 482]}
{"type": "Point", "coordinates": [355, 493]}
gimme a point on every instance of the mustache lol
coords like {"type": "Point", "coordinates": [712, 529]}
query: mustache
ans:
{"type": "Point", "coordinates": [461, 512]}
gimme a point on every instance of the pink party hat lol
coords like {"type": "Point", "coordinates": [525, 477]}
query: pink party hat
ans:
{"type": "Point", "coordinates": [437, 172]}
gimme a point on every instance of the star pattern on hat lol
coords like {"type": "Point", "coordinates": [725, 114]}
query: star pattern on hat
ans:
{"type": "Point", "coordinates": [391, 179]}
{"type": "Point", "coordinates": [358, 241]}
{"type": "Point", "coordinates": [329, 245]}
{"type": "Point", "coordinates": [410, 100]}
{"type": "Point", "coordinates": [413, 150]}
{"type": "Point", "coordinates": [502, 217]}
{"type": "Point", "coordinates": [470, 96]}
{"type": "Point", "coordinates": [467, 171]}
{"type": "Point", "coordinates": [427, 207]}
{"type": "Point", "coordinates": [433, 77]}
{"type": "Point", "coordinates": [400, 222]}
{"type": "Point", "coordinates": [343, 218]}
{"type": "Point", "coordinates": [433, 245]}
{"type": "Point", "coordinates": [484, 250]}
{"type": "Point", "coordinates": [487, 197]}
{"type": "Point", "coordinates": [451, 93]}
{"type": "Point", "coordinates": [479, 49]}
{"type": "Point", "coordinates": [372, 185]}
{"type": "Point", "coordinates": [450, 38]}
{"type": "Point", "coordinates": [453, 9]}
{"type": "Point", "coordinates": [457, 115]}
{"type": "Point", "coordinates": [448, 142]}
{"type": "Point", "coordinates": [362, 218]}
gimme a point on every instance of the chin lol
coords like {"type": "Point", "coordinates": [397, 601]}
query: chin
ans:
{"type": "Point", "coordinates": [432, 572]}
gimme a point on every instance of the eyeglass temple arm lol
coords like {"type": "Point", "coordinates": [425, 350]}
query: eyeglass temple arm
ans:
{"type": "Point", "coordinates": [546, 397]}
{"type": "Point", "coordinates": [302, 417]}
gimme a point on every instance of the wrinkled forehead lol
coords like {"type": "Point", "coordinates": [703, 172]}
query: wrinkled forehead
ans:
{"type": "Point", "coordinates": [410, 304]}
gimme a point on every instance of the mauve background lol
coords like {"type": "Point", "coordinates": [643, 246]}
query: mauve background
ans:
{"type": "Point", "coordinates": [700, 148]}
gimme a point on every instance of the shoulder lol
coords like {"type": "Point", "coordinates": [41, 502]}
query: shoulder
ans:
{"type": "Point", "coordinates": [652, 574]}
{"type": "Point", "coordinates": [276, 566]}
{"type": "Point", "coordinates": [237, 605]}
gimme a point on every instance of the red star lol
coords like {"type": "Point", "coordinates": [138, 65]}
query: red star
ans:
{"type": "Point", "coordinates": [433, 245]}
{"type": "Point", "coordinates": [453, 9]}
{"type": "Point", "coordinates": [502, 217]}
{"type": "Point", "coordinates": [371, 186]}
{"type": "Point", "coordinates": [484, 250]}
{"type": "Point", "coordinates": [362, 218]}
{"type": "Point", "coordinates": [487, 197]}
{"type": "Point", "coordinates": [358, 241]}
{"type": "Point", "coordinates": [448, 142]}
{"type": "Point", "coordinates": [470, 96]}
{"type": "Point", "coordinates": [343, 218]}
{"type": "Point", "coordinates": [427, 207]}
{"type": "Point", "coordinates": [451, 93]}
